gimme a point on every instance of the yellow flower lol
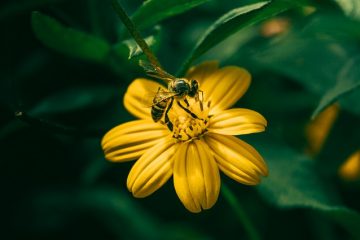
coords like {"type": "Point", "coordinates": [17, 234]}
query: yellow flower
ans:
{"type": "Point", "coordinates": [198, 146]}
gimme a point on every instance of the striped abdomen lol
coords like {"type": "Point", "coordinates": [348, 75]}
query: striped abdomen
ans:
{"type": "Point", "coordinates": [158, 107]}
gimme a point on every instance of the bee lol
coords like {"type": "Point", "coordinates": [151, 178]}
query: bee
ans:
{"type": "Point", "coordinates": [178, 88]}
{"type": "Point", "coordinates": [162, 103]}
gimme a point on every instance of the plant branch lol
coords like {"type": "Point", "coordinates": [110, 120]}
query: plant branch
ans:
{"type": "Point", "coordinates": [135, 33]}
{"type": "Point", "coordinates": [240, 213]}
{"type": "Point", "coordinates": [55, 127]}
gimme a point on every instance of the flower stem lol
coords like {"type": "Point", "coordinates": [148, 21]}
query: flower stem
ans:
{"type": "Point", "coordinates": [240, 213]}
{"type": "Point", "coordinates": [135, 33]}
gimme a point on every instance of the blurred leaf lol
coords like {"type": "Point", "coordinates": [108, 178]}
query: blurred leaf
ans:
{"type": "Point", "coordinates": [347, 81]}
{"type": "Point", "coordinates": [226, 25]}
{"type": "Point", "coordinates": [154, 11]}
{"type": "Point", "coordinates": [350, 7]}
{"type": "Point", "coordinates": [342, 141]}
{"type": "Point", "coordinates": [74, 99]}
{"type": "Point", "coordinates": [332, 74]}
{"type": "Point", "coordinates": [94, 170]}
{"type": "Point", "coordinates": [16, 7]}
{"type": "Point", "coordinates": [297, 62]}
{"type": "Point", "coordinates": [68, 41]}
{"type": "Point", "coordinates": [351, 101]}
{"type": "Point", "coordinates": [10, 128]}
{"type": "Point", "coordinates": [113, 209]}
{"type": "Point", "coordinates": [235, 20]}
{"type": "Point", "coordinates": [294, 183]}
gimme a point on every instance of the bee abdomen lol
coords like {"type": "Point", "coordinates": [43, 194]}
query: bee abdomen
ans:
{"type": "Point", "coordinates": [157, 110]}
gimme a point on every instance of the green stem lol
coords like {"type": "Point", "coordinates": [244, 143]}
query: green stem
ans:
{"type": "Point", "coordinates": [240, 213]}
{"type": "Point", "coordinates": [55, 127]}
{"type": "Point", "coordinates": [135, 33]}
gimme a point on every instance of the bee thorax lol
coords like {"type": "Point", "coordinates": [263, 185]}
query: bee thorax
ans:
{"type": "Point", "coordinates": [179, 86]}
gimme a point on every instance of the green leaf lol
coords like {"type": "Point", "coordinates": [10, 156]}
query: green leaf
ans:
{"type": "Point", "coordinates": [327, 38]}
{"type": "Point", "coordinates": [350, 101]}
{"type": "Point", "coordinates": [154, 11]}
{"type": "Point", "coordinates": [74, 99]}
{"type": "Point", "coordinates": [134, 49]}
{"type": "Point", "coordinates": [234, 21]}
{"type": "Point", "coordinates": [128, 49]}
{"type": "Point", "coordinates": [350, 7]}
{"type": "Point", "coordinates": [115, 210]}
{"type": "Point", "coordinates": [68, 41]}
{"type": "Point", "coordinates": [348, 80]}
{"type": "Point", "coordinates": [294, 183]}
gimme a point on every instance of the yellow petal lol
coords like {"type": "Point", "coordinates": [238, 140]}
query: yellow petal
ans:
{"type": "Point", "coordinates": [225, 86]}
{"type": "Point", "coordinates": [350, 169]}
{"type": "Point", "coordinates": [237, 159]}
{"type": "Point", "coordinates": [202, 71]}
{"type": "Point", "coordinates": [130, 140]}
{"type": "Point", "coordinates": [138, 97]}
{"type": "Point", "coordinates": [318, 130]}
{"type": "Point", "coordinates": [196, 176]}
{"type": "Point", "coordinates": [237, 121]}
{"type": "Point", "coordinates": [153, 169]}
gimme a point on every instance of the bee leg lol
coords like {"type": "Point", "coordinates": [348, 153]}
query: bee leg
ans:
{"type": "Point", "coordinates": [188, 111]}
{"type": "Point", "coordinates": [201, 105]}
{"type": "Point", "coordinates": [186, 102]}
{"type": "Point", "coordinates": [200, 99]}
{"type": "Point", "coordinates": [167, 120]}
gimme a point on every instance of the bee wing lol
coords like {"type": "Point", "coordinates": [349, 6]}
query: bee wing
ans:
{"type": "Point", "coordinates": [147, 100]}
{"type": "Point", "coordinates": [166, 95]}
{"type": "Point", "coordinates": [155, 71]}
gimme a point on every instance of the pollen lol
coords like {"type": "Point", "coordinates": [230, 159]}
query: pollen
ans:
{"type": "Point", "coordinates": [190, 119]}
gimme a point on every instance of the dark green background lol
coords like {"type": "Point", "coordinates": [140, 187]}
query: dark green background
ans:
{"type": "Point", "coordinates": [55, 182]}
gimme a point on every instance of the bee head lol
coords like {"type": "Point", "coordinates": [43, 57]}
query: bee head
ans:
{"type": "Point", "coordinates": [194, 88]}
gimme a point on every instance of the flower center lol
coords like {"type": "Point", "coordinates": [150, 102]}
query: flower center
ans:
{"type": "Point", "coordinates": [189, 118]}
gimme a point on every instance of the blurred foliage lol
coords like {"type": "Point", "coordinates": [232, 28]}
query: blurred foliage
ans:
{"type": "Point", "coordinates": [65, 66]}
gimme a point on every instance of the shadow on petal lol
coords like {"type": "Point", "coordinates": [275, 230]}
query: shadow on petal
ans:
{"type": "Point", "coordinates": [225, 87]}
{"type": "Point", "coordinates": [237, 121]}
{"type": "Point", "coordinates": [237, 159]}
{"type": "Point", "coordinates": [130, 140]}
{"type": "Point", "coordinates": [153, 169]}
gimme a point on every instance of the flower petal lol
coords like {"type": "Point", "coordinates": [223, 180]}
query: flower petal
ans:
{"type": "Point", "coordinates": [237, 121]}
{"type": "Point", "coordinates": [237, 159]}
{"type": "Point", "coordinates": [130, 140]}
{"type": "Point", "coordinates": [196, 176]}
{"type": "Point", "coordinates": [153, 169]}
{"type": "Point", "coordinates": [138, 97]}
{"type": "Point", "coordinates": [225, 87]}
{"type": "Point", "coordinates": [202, 71]}
{"type": "Point", "coordinates": [350, 169]}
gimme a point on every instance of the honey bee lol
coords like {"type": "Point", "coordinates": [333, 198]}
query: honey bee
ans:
{"type": "Point", "coordinates": [178, 88]}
